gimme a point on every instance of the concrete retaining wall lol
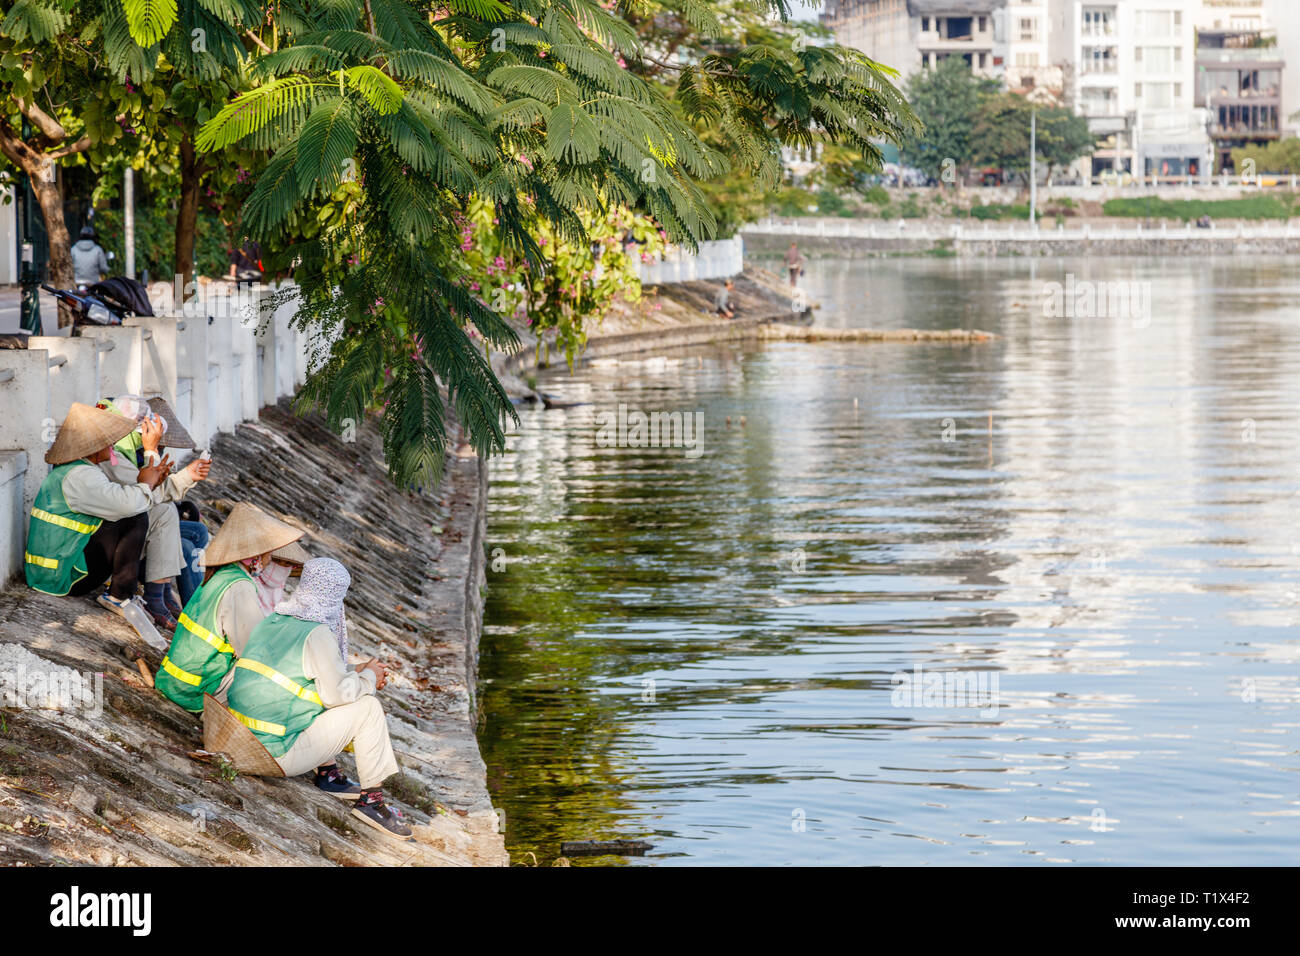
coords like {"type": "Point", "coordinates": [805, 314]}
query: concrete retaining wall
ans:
{"type": "Point", "coordinates": [216, 361]}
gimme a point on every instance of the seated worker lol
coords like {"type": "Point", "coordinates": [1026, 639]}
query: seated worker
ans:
{"type": "Point", "coordinates": [166, 536]}
{"type": "Point", "coordinates": [294, 690]}
{"type": "Point", "coordinates": [86, 529]}
{"type": "Point", "coordinates": [219, 619]}
{"type": "Point", "coordinates": [194, 533]}
{"type": "Point", "coordinates": [722, 301]}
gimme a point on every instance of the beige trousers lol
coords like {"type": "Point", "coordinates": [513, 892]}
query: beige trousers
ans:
{"type": "Point", "coordinates": [162, 544]}
{"type": "Point", "coordinates": [360, 723]}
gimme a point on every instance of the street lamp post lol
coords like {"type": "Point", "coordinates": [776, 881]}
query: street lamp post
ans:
{"type": "Point", "coordinates": [1033, 167]}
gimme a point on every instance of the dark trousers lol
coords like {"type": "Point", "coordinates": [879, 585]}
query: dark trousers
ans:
{"type": "Point", "coordinates": [113, 554]}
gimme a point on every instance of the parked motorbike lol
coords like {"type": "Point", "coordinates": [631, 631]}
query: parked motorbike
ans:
{"type": "Point", "coordinates": [104, 303]}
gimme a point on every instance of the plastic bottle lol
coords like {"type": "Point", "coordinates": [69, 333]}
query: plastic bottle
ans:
{"type": "Point", "coordinates": [139, 619]}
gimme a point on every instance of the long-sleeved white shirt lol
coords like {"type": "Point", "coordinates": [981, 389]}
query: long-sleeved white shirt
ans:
{"type": "Point", "coordinates": [90, 491]}
{"type": "Point", "coordinates": [336, 682]}
{"type": "Point", "coordinates": [174, 487]}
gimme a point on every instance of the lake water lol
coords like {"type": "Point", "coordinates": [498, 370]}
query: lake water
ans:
{"type": "Point", "coordinates": [1086, 528]}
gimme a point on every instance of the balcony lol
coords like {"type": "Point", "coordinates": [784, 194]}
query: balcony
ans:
{"type": "Point", "coordinates": [1253, 56]}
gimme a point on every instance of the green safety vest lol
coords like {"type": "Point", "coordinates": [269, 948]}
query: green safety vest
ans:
{"type": "Point", "coordinates": [57, 536]}
{"type": "Point", "coordinates": [199, 657]}
{"type": "Point", "coordinates": [270, 694]}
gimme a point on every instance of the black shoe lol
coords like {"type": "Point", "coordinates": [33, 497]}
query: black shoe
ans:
{"type": "Point", "coordinates": [335, 782]}
{"type": "Point", "coordinates": [371, 808]}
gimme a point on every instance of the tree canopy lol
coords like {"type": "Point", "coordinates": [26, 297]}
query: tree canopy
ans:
{"type": "Point", "coordinates": [382, 122]}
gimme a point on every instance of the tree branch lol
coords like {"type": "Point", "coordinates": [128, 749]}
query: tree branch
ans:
{"type": "Point", "coordinates": [257, 39]}
{"type": "Point", "coordinates": [80, 146]}
{"type": "Point", "coordinates": [50, 128]}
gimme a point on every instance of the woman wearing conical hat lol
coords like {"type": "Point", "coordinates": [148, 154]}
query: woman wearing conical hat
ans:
{"type": "Point", "coordinates": [294, 689]}
{"type": "Point", "coordinates": [216, 623]}
{"type": "Point", "coordinates": [86, 529]}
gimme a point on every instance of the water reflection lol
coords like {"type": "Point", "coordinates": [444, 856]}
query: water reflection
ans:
{"type": "Point", "coordinates": [1097, 512]}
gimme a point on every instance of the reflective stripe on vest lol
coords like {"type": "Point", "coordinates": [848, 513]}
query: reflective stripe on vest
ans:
{"type": "Point", "coordinates": [183, 676]}
{"type": "Point", "coordinates": [265, 726]}
{"type": "Point", "coordinates": [37, 560]}
{"type": "Point", "coordinates": [293, 687]}
{"type": "Point", "coordinates": [203, 634]}
{"type": "Point", "coordinates": [78, 526]}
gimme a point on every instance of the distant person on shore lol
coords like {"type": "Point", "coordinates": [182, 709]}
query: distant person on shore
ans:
{"type": "Point", "coordinates": [294, 689]}
{"type": "Point", "coordinates": [722, 301]}
{"type": "Point", "coordinates": [85, 528]}
{"type": "Point", "coordinates": [89, 263]}
{"type": "Point", "coordinates": [218, 621]}
{"type": "Point", "coordinates": [794, 262]}
{"type": "Point", "coordinates": [246, 263]}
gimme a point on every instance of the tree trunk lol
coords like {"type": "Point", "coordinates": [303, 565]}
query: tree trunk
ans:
{"type": "Point", "coordinates": [48, 190]}
{"type": "Point", "coordinates": [39, 168]}
{"type": "Point", "coordinates": [187, 214]}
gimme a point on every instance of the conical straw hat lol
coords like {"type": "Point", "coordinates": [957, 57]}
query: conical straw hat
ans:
{"type": "Point", "coordinates": [292, 553]}
{"type": "Point", "coordinates": [85, 431]}
{"type": "Point", "coordinates": [176, 436]}
{"type": "Point", "coordinates": [224, 734]}
{"type": "Point", "coordinates": [248, 532]}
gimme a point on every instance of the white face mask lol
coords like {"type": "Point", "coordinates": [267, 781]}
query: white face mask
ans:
{"type": "Point", "coordinates": [270, 582]}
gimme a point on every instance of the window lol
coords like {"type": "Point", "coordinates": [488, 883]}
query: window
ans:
{"type": "Point", "coordinates": [1028, 29]}
{"type": "Point", "coordinates": [1154, 23]}
{"type": "Point", "coordinates": [1098, 22]}
{"type": "Point", "coordinates": [1026, 60]}
{"type": "Point", "coordinates": [925, 24]}
{"type": "Point", "coordinates": [983, 21]}
{"type": "Point", "coordinates": [1156, 59]}
{"type": "Point", "coordinates": [1156, 96]}
{"type": "Point", "coordinates": [1178, 91]}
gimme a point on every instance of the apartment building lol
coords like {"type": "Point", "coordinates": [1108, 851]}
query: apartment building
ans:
{"type": "Point", "coordinates": [1133, 65]}
{"type": "Point", "coordinates": [1022, 29]}
{"type": "Point", "coordinates": [1240, 71]}
{"type": "Point", "coordinates": [913, 34]}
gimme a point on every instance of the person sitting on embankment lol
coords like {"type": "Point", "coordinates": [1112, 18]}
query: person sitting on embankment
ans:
{"type": "Point", "coordinates": [84, 528]}
{"type": "Point", "coordinates": [166, 533]}
{"type": "Point", "coordinates": [219, 619]}
{"type": "Point", "coordinates": [294, 690]}
{"type": "Point", "coordinates": [194, 533]}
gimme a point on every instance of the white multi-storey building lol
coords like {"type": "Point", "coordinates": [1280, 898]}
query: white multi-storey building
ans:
{"type": "Point", "coordinates": [910, 35]}
{"type": "Point", "coordinates": [1022, 30]}
{"type": "Point", "coordinates": [1128, 66]}
{"type": "Point", "coordinates": [1133, 78]}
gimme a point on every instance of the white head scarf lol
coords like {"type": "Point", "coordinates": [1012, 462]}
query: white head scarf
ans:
{"type": "Point", "coordinates": [319, 598]}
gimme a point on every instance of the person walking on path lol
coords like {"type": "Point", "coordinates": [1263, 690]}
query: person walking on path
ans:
{"type": "Point", "coordinates": [794, 262]}
{"type": "Point", "coordinates": [294, 689]}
